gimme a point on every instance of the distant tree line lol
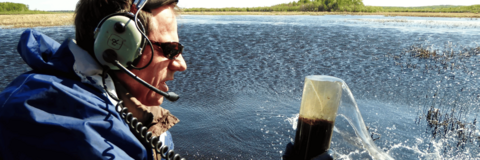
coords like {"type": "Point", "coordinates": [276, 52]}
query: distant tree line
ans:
{"type": "Point", "coordinates": [13, 7]}
{"type": "Point", "coordinates": [338, 6]}
{"type": "Point", "coordinates": [327, 5]}
{"type": "Point", "coordinates": [301, 5]}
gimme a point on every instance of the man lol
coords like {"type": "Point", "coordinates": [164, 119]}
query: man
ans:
{"type": "Point", "coordinates": [61, 109]}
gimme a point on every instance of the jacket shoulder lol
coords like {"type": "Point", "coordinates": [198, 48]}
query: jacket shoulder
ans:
{"type": "Point", "coordinates": [50, 114]}
{"type": "Point", "coordinates": [33, 86]}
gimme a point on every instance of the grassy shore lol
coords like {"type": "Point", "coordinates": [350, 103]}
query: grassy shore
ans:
{"type": "Point", "coordinates": [60, 19]}
{"type": "Point", "coordinates": [27, 12]}
{"type": "Point", "coordinates": [35, 20]}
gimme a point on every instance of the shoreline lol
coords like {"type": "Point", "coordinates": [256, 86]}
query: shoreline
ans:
{"type": "Point", "coordinates": [35, 20]}
{"type": "Point", "coordinates": [386, 14]}
{"type": "Point", "coordinates": [63, 19]}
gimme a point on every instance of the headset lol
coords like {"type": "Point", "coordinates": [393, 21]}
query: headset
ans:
{"type": "Point", "coordinates": [120, 39]}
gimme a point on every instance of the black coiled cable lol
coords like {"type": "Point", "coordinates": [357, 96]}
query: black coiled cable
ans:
{"type": "Point", "coordinates": [146, 136]}
{"type": "Point", "coordinates": [138, 128]}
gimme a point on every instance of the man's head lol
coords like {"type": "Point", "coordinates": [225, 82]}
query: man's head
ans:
{"type": "Point", "coordinates": [161, 26]}
{"type": "Point", "coordinates": [90, 12]}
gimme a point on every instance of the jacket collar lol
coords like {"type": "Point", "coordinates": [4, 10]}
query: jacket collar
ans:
{"type": "Point", "coordinates": [89, 71]}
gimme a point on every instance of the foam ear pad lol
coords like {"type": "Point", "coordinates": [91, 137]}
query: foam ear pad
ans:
{"type": "Point", "coordinates": [118, 34]}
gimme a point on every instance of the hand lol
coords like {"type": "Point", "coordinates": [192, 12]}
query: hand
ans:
{"type": "Point", "coordinates": [289, 155]}
{"type": "Point", "coordinates": [328, 155]}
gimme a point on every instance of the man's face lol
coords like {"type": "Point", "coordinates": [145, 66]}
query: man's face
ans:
{"type": "Point", "coordinates": [161, 69]}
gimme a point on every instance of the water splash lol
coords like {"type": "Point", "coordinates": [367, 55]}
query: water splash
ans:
{"type": "Point", "coordinates": [349, 111]}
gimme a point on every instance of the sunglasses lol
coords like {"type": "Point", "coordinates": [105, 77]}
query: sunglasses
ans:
{"type": "Point", "coordinates": [171, 50]}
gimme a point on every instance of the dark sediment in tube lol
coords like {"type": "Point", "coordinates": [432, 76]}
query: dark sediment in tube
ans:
{"type": "Point", "coordinates": [313, 137]}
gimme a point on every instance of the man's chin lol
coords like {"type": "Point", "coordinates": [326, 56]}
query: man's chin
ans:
{"type": "Point", "coordinates": [159, 101]}
{"type": "Point", "coordinates": [155, 101]}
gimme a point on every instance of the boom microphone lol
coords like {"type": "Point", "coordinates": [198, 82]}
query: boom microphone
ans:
{"type": "Point", "coordinates": [111, 58]}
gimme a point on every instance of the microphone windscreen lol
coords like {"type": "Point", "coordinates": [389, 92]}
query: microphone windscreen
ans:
{"type": "Point", "coordinates": [172, 96]}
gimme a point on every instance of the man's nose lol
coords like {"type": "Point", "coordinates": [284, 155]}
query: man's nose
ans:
{"type": "Point", "coordinates": [178, 64]}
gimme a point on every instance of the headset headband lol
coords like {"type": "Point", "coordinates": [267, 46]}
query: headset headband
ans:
{"type": "Point", "coordinates": [152, 4]}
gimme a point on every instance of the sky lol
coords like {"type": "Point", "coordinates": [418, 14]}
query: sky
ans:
{"type": "Point", "coordinates": [70, 4]}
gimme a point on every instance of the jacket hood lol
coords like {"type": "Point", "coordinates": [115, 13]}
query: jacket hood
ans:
{"type": "Point", "coordinates": [45, 55]}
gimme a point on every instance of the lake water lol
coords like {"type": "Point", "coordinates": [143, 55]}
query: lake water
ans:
{"type": "Point", "coordinates": [241, 93]}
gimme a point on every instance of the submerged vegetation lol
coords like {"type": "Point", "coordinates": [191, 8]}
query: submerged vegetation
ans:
{"type": "Point", "coordinates": [340, 6]}
{"type": "Point", "coordinates": [448, 110]}
{"type": "Point", "coordinates": [450, 126]}
{"type": "Point", "coordinates": [443, 59]}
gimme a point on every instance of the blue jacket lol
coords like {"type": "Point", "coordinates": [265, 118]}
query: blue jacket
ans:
{"type": "Point", "coordinates": [49, 113]}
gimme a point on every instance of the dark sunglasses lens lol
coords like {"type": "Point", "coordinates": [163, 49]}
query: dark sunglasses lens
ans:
{"type": "Point", "coordinates": [172, 50]}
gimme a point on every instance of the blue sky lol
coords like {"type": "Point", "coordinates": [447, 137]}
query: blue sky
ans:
{"type": "Point", "coordinates": [70, 4]}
